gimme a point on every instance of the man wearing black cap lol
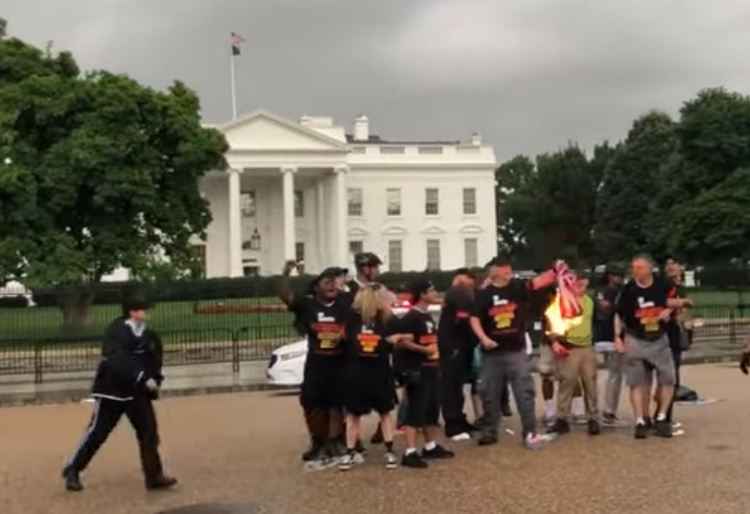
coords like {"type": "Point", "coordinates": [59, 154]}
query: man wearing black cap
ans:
{"type": "Point", "coordinates": [322, 316]}
{"type": "Point", "coordinates": [419, 366]}
{"type": "Point", "coordinates": [456, 343]}
{"type": "Point", "coordinates": [499, 322]}
{"type": "Point", "coordinates": [367, 265]}
{"type": "Point", "coordinates": [127, 380]}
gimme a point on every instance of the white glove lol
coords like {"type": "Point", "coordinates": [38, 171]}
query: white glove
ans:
{"type": "Point", "coordinates": [151, 385]}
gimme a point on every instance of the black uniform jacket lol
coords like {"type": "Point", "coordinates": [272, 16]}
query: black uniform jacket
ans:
{"type": "Point", "coordinates": [128, 361]}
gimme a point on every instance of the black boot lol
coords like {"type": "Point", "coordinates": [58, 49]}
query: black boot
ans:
{"type": "Point", "coordinates": [72, 480]}
{"type": "Point", "coordinates": [161, 482]}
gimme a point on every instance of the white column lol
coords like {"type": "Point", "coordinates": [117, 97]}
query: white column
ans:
{"type": "Point", "coordinates": [340, 251]}
{"type": "Point", "coordinates": [235, 225]}
{"type": "Point", "coordinates": [320, 222]}
{"type": "Point", "coordinates": [287, 174]}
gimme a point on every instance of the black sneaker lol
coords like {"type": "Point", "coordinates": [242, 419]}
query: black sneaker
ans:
{"type": "Point", "coordinates": [312, 452]}
{"type": "Point", "coordinates": [487, 440]}
{"type": "Point", "coordinates": [507, 412]}
{"type": "Point", "coordinates": [663, 428]}
{"type": "Point", "coordinates": [560, 427]}
{"type": "Point", "coordinates": [72, 480]}
{"type": "Point", "coordinates": [610, 420]}
{"type": "Point", "coordinates": [649, 423]}
{"type": "Point", "coordinates": [413, 460]}
{"type": "Point", "coordinates": [438, 452]}
{"type": "Point", "coordinates": [594, 427]}
{"type": "Point", "coordinates": [641, 431]}
{"type": "Point", "coordinates": [161, 482]}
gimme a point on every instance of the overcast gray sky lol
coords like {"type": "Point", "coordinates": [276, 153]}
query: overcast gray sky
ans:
{"type": "Point", "coordinates": [530, 75]}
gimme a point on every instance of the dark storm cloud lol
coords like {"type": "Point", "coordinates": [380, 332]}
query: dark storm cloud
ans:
{"type": "Point", "coordinates": [529, 75]}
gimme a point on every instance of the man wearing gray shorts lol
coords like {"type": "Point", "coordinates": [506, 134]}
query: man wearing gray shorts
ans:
{"type": "Point", "coordinates": [642, 314]}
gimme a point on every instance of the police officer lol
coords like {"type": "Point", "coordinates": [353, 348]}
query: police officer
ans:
{"type": "Point", "coordinates": [127, 381]}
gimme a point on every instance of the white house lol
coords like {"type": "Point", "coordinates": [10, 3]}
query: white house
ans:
{"type": "Point", "coordinates": [309, 191]}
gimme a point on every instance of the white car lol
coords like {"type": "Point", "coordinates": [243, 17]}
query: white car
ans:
{"type": "Point", "coordinates": [287, 365]}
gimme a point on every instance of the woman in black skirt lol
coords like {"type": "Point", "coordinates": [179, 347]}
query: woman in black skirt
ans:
{"type": "Point", "coordinates": [368, 376]}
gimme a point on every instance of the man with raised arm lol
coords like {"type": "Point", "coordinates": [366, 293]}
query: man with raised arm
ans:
{"type": "Point", "coordinates": [498, 320]}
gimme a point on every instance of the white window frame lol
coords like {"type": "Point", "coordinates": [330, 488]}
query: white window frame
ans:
{"type": "Point", "coordinates": [435, 263]}
{"type": "Point", "coordinates": [388, 192]}
{"type": "Point", "coordinates": [469, 202]}
{"type": "Point", "coordinates": [395, 265]}
{"type": "Point", "coordinates": [468, 243]}
{"type": "Point", "coordinates": [353, 208]}
{"type": "Point", "coordinates": [428, 204]}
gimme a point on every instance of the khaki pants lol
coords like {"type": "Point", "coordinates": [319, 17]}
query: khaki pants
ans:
{"type": "Point", "coordinates": [579, 365]}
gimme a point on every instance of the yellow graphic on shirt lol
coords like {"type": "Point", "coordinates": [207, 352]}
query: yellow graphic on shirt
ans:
{"type": "Point", "coordinates": [650, 318]}
{"type": "Point", "coordinates": [503, 315]}
{"type": "Point", "coordinates": [329, 335]}
{"type": "Point", "coordinates": [368, 342]}
{"type": "Point", "coordinates": [430, 340]}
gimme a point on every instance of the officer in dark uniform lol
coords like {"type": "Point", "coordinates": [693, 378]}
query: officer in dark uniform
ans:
{"type": "Point", "coordinates": [127, 381]}
{"type": "Point", "coordinates": [367, 265]}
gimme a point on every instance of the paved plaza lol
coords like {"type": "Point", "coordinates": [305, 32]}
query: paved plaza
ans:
{"type": "Point", "coordinates": [240, 452]}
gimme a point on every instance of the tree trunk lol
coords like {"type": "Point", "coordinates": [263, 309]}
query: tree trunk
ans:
{"type": "Point", "coordinates": [75, 303]}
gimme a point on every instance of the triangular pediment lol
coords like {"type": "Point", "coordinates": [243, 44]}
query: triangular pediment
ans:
{"type": "Point", "coordinates": [264, 131]}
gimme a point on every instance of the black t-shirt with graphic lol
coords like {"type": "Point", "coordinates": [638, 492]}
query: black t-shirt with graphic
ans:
{"type": "Point", "coordinates": [324, 324]}
{"type": "Point", "coordinates": [366, 342]}
{"type": "Point", "coordinates": [604, 313]}
{"type": "Point", "coordinates": [502, 312]}
{"type": "Point", "coordinates": [422, 326]}
{"type": "Point", "coordinates": [640, 309]}
{"type": "Point", "coordinates": [454, 329]}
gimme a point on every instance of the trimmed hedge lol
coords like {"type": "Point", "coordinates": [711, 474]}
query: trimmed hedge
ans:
{"type": "Point", "coordinates": [13, 302]}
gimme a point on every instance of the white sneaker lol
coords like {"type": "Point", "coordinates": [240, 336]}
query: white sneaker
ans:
{"type": "Point", "coordinates": [676, 425]}
{"type": "Point", "coordinates": [463, 436]}
{"type": "Point", "coordinates": [320, 464]}
{"type": "Point", "coordinates": [358, 458]}
{"type": "Point", "coordinates": [391, 461]}
{"type": "Point", "coordinates": [346, 462]}
{"type": "Point", "coordinates": [537, 441]}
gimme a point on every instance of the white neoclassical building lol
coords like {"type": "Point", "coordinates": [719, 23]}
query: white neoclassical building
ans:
{"type": "Point", "coordinates": [310, 191]}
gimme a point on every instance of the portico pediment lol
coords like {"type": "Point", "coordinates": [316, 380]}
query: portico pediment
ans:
{"type": "Point", "coordinates": [471, 229]}
{"type": "Point", "coordinates": [358, 232]}
{"type": "Point", "coordinates": [433, 230]}
{"type": "Point", "coordinates": [394, 230]}
{"type": "Point", "coordinates": [263, 131]}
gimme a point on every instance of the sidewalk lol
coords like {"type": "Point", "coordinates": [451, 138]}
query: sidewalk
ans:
{"type": "Point", "coordinates": [183, 380]}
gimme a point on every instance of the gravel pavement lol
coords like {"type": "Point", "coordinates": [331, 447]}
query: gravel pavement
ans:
{"type": "Point", "coordinates": [240, 453]}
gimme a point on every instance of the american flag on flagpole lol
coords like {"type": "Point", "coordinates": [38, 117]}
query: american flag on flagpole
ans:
{"type": "Point", "coordinates": [236, 40]}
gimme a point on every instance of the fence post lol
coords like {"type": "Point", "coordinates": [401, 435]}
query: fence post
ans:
{"type": "Point", "coordinates": [38, 363]}
{"type": "Point", "coordinates": [236, 351]}
{"type": "Point", "coordinates": [732, 329]}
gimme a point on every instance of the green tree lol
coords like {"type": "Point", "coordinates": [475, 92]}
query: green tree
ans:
{"type": "Point", "coordinates": [3, 27]}
{"type": "Point", "coordinates": [704, 187]}
{"type": "Point", "coordinates": [100, 173]}
{"type": "Point", "coordinates": [630, 186]}
{"type": "Point", "coordinates": [551, 209]}
{"type": "Point", "coordinates": [511, 177]}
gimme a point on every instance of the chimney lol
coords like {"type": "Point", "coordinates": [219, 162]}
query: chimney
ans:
{"type": "Point", "coordinates": [361, 128]}
{"type": "Point", "coordinates": [476, 139]}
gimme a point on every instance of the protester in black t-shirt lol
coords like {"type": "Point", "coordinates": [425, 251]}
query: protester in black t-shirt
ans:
{"type": "Point", "coordinates": [323, 317]}
{"type": "Point", "coordinates": [368, 377]}
{"type": "Point", "coordinates": [604, 336]}
{"type": "Point", "coordinates": [418, 363]}
{"type": "Point", "coordinates": [676, 331]}
{"type": "Point", "coordinates": [643, 312]}
{"type": "Point", "coordinates": [456, 342]}
{"type": "Point", "coordinates": [499, 322]}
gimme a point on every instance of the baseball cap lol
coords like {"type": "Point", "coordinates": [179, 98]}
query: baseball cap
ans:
{"type": "Point", "coordinates": [367, 259]}
{"type": "Point", "coordinates": [330, 272]}
{"type": "Point", "coordinates": [418, 287]}
{"type": "Point", "coordinates": [615, 268]}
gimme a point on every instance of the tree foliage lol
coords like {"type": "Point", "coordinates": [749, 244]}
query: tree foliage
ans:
{"type": "Point", "coordinates": [97, 172]}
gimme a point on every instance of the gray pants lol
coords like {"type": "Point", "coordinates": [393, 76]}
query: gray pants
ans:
{"type": "Point", "coordinates": [615, 374]}
{"type": "Point", "coordinates": [499, 370]}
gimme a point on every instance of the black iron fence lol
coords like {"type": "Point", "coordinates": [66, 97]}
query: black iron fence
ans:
{"type": "Point", "coordinates": [719, 332]}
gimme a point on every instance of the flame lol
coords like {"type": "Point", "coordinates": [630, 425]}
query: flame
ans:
{"type": "Point", "coordinates": [557, 324]}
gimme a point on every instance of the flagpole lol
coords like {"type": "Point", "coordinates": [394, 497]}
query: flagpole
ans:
{"type": "Point", "coordinates": [234, 94]}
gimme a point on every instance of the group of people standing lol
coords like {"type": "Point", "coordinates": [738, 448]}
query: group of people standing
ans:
{"type": "Point", "coordinates": [361, 355]}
